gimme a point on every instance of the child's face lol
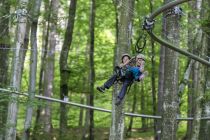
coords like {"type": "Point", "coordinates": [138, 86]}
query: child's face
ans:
{"type": "Point", "coordinates": [125, 59]}
{"type": "Point", "coordinates": [139, 62]}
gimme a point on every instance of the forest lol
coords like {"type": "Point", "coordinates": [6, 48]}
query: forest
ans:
{"type": "Point", "coordinates": [104, 69]}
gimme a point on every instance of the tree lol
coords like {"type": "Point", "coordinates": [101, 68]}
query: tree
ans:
{"type": "Point", "coordinates": [170, 88]}
{"type": "Point", "coordinates": [16, 72]}
{"type": "Point", "coordinates": [198, 76]}
{"type": "Point", "coordinates": [204, 126]}
{"type": "Point", "coordinates": [4, 61]}
{"type": "Point", "coordinates": [153, 75]}
{"type": "Point", "coordinates": [64, 70]}
{"type": "Point", "coordinates": [45, 35]}
{"type": "Point", "coordinates": [33, 70]}
{"type": "Point", "coordinates": [196, 87]}
{"type": "Point", "coordinates": [92, 70]}
{"type": "Point", "coordinates": [90, 100]}
{"type": "Point", "coordinates": [49, 69]}
{"type": "Point", "coordinates": [123, 33]}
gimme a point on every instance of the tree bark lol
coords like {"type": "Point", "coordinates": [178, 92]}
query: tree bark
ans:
{"type": "Point", "coordinates": [205, 124]}
{"type": "Point", "coordinates": [81, 113]}
{"type": "Point", "coordinates": [153, 76]}
{"type": "Point", "coordinates": [64, 70]}
{"type": "Point", "coordinates": [4, 62]}
{"type": "Point", "coordinates": [143, 105]}
{"type": "Point", "coordinates": [129, 131]}
{"type": "Point", "coordinates": [170, 90]}
{"type": "Point", "coordinates": [198, 78]}
{"type": "Point", "coordinates": [90, 99]}
{"type": "Point", "coordinates": [45, 34]}
{"type": "Point", "coordinates": [16, 73]}
{"type": "Point", "coordinates": [123, 33]}
{"type": "Point", "coordinates": [160, 85]}
{"type": "Point", "coordinates": [92, 69]}
{"type": "Point", "coordinates": [33, 70]}
{"type": "Point", "coordinates": [191, 18]}
{"type": "Point", "coordinates": [49, 69]}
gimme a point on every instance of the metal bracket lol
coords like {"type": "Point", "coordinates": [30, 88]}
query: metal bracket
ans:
{"type": "Point", "coordinates": [148, 24]}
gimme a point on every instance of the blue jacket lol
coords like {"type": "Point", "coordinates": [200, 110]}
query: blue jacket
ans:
{"type": "Point", "coordinates": [135, 72]}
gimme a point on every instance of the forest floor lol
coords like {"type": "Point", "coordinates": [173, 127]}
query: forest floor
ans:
{"type": "Point", "coordinates": [99, 134]}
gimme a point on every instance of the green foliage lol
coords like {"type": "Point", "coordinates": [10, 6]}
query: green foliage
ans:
{"type": "Point", "coordinates": [105, 43]}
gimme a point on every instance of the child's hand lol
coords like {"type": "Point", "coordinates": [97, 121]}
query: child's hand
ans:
{"type": "Point", "coordinates": [121, 65]}
{"type": "Point", "coordinates": [141, 77]}
{"type": "Point", "coordinates": [141, 69]}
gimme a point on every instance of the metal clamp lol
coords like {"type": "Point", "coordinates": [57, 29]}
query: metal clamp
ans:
{"type": "Point", "coordinates": [148, 24]}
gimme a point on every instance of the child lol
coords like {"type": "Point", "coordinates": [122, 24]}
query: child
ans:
{"type": "Point", "coordinates": [134, 73]}
{"type": "Point", "coordinates": [138, 70]}
{"type": "Point", "coordinates": [125, 61]}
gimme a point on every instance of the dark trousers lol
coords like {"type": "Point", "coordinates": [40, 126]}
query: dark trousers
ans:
{"type": "Point", "coordinates": [124, 88]}
{"type": "Point", "coordinates": [110, 81]}
{"type": "Point", "coordinates": [128, 80]}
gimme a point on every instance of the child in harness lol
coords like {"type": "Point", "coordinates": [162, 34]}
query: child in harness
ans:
{"type": "Point", "coordinates": [132, 73]}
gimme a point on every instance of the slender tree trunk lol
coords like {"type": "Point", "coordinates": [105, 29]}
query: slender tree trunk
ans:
{"type": "Point", "coordinates": [191, 18]}
{"type": "Point", "coordinates": [87, 121]}
{"type": "Point", "coordinates": [205, 102]}
{"type": "Point", "coordinates": [90, 99]}
{"type": "Point", "coordinates": [92, 69]}
{"type": "Point", "coordinates": [123, 33]}
{"type": "Point", "coordinates": [153, 75]}
{"type": "Point", "coordinates": [33, 70]}
{"type": "Point", "coordinates": [170, 90]}
{"type": "Point", "coordinates": [143, 120]}
{"type": "Point", "coordinates": [45, 34]}
{"type": "Point", "coordinates": [129, 131]}
{"type": "Point", "coordinates": [49, 69]}
{"type": "Point", "coordinates": [205, 124]}
{"type": "Point", "coordinates": [81, 113]}
{"type": "Point", "coordinates": [16, 74]}
{"type": "Point", "coordinates": [198, 84]}
{"type": "Point", "coordinates": [160, 85]}
{"type": "Point", "coordinates": [64, 70]}
{"type": "Point", "coordinates": [4, 62]}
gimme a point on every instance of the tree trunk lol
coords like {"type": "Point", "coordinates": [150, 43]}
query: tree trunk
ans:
{"type": "Point", "coordinates": [160, 85]}
{"type": "Point", "coordinates": [16, 74]}
{"type": "Point", "coordinates": [85, 134]}
{"type": "Point", "coordinates": [123, 33]}
{"type": "Point", "coordinates": [205, 124]}
{"type": "Point", "coordinates": [191, 18]}
{"type": "Point", "coordinates": [33, 70]}
{"type": "Point", "coordinates": [143, 120]}
{"type": "Point", "coordinates": [81, 113]}
{"type": "Point", "coordinates": [92, 69]}
{"type": "Point", "coordinates": [4, 62]}
{"type": "Point", "coordinates": [49, 69]}
{"type": "Point", "coordinates": [89, 125]}
{"type": "Point", "coordinates": [170, 90]}
{"type": "Point", "coordinates": [64, 70]}
{"type": "Point", "coordinates": [198, 78]}
{"type": "Point", "coordinates": [45, 34]}
{"type": "Point", "coordinates": [153, 76]}
{"type": "Point", "coordinates": [129, 131]}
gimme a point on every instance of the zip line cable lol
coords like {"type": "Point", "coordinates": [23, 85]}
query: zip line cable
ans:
{"type": "Point", "coordinates": [94, 108]}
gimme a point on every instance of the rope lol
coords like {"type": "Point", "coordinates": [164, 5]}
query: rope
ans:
{"type": "Point", "coordinates": [139, 48]}
{"type": "Point", "coordinates": [94, 108]}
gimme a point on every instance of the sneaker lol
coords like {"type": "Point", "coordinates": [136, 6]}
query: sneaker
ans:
{"type": "Point", "coordinates": [118, 102]}
{"type": "Point", "coordinates": [101, 89]}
